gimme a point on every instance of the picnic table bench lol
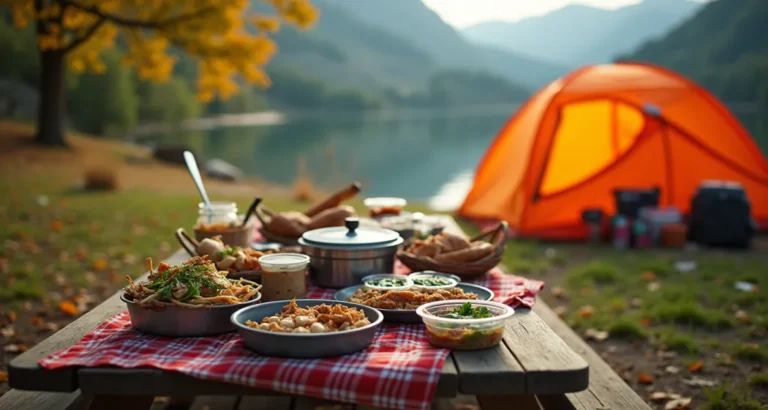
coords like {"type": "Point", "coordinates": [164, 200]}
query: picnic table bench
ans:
{"type": "Point", "coordinates": [533, 368]}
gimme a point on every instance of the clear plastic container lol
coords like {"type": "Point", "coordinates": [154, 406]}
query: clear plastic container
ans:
{"type": "Point", "coordinates": [434, 280]}
{"type": "Point", "coordinates": [284, 276]}
{"type": "Point", "coordinates": [464, 334]}
{"type": "Point", "coordinates": [384, 206]}
{"type": "Point", "coordinates": [390, 282]}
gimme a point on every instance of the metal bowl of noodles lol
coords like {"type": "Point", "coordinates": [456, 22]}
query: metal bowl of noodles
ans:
{"type": "Point", "coordinates": [176, 321]}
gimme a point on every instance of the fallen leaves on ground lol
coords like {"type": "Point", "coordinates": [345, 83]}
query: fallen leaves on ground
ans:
{"type": "Point", "coordinates": [14, 348]}
{"type": "Point", "coordinates": [561, 310]}
{"type": "Point", "coordinates": [672, 369]}
{"type": "Point", "coordinates": [644, 378]}
{"type": "Point", "coordinates": [646, 322]}
{"type": "Point", "coordinates": [699, 382]}
{"type": "Point", "coordinates": [56, 225]}
{"type": "Point", "coordinates": [696, 367]}
{"type": "Point", "coordinates": [654, 286]}
{"type": "Point", "coordinates": [683, 403]}
{"type": "Point", "coordinates": [99, 264]}
{"type": "Point", "coordinates": [596, 335]}
{"type": "Point", "coordinates": [742, 316]}
{"type": "Point", "coordinates": [586, 311]}
{"type": "Point", "coordinates": [8, 332]}
{"type": "Point", "coordinates": [648, 276]}
{"type": "Point", "coordinates": [558, 292]}
{"type": "Point", "coordinates": [68, 308]}
{"type": "Point", "coordinates": [12, 316]}
{"type": "Point", "coordinates": [3, 376]}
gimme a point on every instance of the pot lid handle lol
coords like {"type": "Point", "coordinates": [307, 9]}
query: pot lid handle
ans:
{"type": "Point", "coordinates": [352, 223]}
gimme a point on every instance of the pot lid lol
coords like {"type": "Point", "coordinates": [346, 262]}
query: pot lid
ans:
{"type": "Point", "coordinates": [351, 235]}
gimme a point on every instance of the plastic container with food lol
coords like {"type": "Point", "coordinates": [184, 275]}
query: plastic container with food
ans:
{"type": "Point", "coordinates": [284, 276]}
{"type": "Point", "coordinates": [387, 281]}
{"type": "Point", "coordinates": [434, 280]}
{"type": "Point", "coordinates": [385, 206]}
{"type": "Point", "coordinates": [464, 324]}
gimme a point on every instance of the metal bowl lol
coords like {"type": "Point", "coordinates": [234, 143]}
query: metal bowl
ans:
{"type": "Point", "coordinates": [303, 345]}
{"type": "Point", "coordinates": [409, 315]}
{"type": "Point", "coordinates": [175, 321]}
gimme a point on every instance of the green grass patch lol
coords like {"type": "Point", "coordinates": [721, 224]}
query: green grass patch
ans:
{"type": "Point", "coordinates": [759, 380]}
{"type": "Point", "coordinates": [688, 312]}
{"type": "Point", "coordinates": [752, 353]}
{"type": "Point", "coordinates": [594, 273]}
{"type": "Point", "coordinates": [627, 328]}
{"type": "Point", "coordinates": [674, 340]}
{"type": "Point", "coordinates": [725, 398]}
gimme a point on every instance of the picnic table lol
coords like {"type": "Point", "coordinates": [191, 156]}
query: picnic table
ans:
{"type": "Point", "coordinates": [531, 361]}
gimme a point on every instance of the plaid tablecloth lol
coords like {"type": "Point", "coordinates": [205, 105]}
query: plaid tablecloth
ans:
{"type": "Point", "coordinates": [399, 370]}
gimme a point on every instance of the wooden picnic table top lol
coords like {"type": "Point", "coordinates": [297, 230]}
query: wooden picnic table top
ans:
{"type": "Point", "coordinates": [531, 360]}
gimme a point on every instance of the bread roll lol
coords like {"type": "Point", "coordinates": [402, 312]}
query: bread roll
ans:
{"type": "Point", "coordinates": [466, 255]}
{"type": "Point", "coordinates": [332, 217]}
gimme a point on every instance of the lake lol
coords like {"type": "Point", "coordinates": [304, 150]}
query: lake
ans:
{"type": "Point", "coordinates": [422, 155]}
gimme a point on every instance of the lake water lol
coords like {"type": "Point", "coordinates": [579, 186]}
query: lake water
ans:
{"type": "Point", "coordinates": [426, 156]}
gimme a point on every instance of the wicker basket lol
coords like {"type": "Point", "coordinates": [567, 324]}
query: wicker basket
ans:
{"type": "Point", "coordinates": [496, 237]}
{"type": "Point", "coordinates": [264, 215]}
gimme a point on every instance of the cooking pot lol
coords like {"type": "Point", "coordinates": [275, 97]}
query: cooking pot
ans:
{"type": "Point", "coordinates": [341, 256]}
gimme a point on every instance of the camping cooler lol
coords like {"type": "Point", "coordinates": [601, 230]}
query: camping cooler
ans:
{"type": "Point", "coordinates": [720, 215]}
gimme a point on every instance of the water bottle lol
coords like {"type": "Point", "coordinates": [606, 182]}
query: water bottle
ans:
{"type": "Point", "coordinates": [642, 234]}
{"type": "Point", "coordinates": [620, 232]}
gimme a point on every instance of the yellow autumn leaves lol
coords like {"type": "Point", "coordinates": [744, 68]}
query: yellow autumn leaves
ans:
{"type": "Point", "coordinates": [225, 38]}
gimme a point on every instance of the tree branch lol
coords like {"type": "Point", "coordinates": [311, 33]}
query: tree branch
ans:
{"type": "Point", "coordinates": [81, 39]}
{"type": "Point", "coordinates": [137, 23]}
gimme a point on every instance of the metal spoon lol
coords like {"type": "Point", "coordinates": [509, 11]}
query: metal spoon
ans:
{"type": "Point", "coordinates": [189, 158]}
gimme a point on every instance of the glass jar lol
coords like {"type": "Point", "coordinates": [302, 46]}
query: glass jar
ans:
{"type": "Point", "coordinates": [222, 220]}
{"type": "Point", "coordinates": [220, 216]}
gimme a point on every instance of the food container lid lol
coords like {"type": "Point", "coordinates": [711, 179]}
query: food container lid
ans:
{"type": "Point", "coordinates": [383, 202]}
{"type": "Point", "coordinates": [351, 236]}
{"type": "Point", "coordinates": [283, 262]}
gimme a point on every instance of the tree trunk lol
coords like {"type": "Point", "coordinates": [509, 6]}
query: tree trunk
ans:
{"type": "Point", "coordinates": [50, 118]}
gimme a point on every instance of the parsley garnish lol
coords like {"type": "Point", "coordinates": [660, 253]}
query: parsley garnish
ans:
{"type": "Point", "coordinates": [466, 311]}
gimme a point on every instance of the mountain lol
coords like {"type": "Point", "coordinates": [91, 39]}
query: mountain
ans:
{"type": "Point", "coordinates": [724, 47]}
{"type": "Point", "coordinates": [399, 44]}
{"type": "Point", "coordinates": [346, 52]}
{"type": "Point", "coordinates": [578, 34]}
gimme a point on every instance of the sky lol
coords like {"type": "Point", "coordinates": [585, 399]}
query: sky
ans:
{"type": "Point", "coordinates": [464, 13]}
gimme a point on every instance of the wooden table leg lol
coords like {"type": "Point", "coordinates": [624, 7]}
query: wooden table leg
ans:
{"type": "Point", "coordinates": [508, 402]}
{"type": "Point", "coordinates": [120, 402]}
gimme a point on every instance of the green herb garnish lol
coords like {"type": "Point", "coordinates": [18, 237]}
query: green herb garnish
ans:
{"type": "Point", "coordinates": [228, 252]}
{"type": "Point", "coordinates": [386, 282]}
{"type": "Point", "coordinates": [432, 281]}
{"type": "Point", "coordinates": [195, 275]}
{"type": "Point", "coordinates": [466, 311]}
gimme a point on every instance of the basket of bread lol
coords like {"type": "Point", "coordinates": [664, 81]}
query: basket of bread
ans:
{"type": "Point", "coordinates": [450, 253]}
{"type": "Point", "coordinates": [287, 227]}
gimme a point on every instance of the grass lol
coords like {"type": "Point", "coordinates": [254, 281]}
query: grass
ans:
{"type": "Point", "coordinates": [759, 380]}
{"type": "Point", "coordinates": [688, 312]}
{"type": "Point", "coordinates": [594, 273]}
{"type": "Point", "coordinates": [726, 398]}
{"type": "Point", "coordinates": [627, 328]}
{"type": "Point", "coordinates": [671, 339]}
{"type": "Point", "coordinates": [752, 353]}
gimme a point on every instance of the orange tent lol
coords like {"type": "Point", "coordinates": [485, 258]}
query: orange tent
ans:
{"type": "Point", "coordinates": [608, 126]}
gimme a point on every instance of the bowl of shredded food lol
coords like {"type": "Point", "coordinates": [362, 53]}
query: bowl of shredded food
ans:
{"type": "Point", "coordinates": [464, 324]}
{"type": "Point", "coordinates": [191, 299]}
{"type": "Point", "coordinates": [307, 328]}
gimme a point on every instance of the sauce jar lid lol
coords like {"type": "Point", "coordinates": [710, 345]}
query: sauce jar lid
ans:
{"type": "Point", "coordinates": [284, 261]}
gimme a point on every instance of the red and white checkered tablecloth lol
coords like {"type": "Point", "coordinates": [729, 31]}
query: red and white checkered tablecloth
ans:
{"type": "Point", "coordinates": [399, 370]}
